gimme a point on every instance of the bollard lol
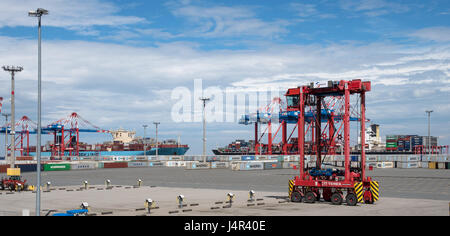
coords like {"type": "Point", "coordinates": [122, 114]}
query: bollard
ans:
{"type": "Point", "coordinates": [85, 184]}
{"type": "Point", "coordinates": [251, 196]}
{"type": "Point", "coordinates": [85, 205]}
{"type": "Point", "coordinates": [107, 183]}
{"type": "Point", "coordinates": [48, 185]}
{"type": "Point", "coordinates": [180, 200]}
{"type": "Point", "coordinates": [230, 197]}
{"type": "Point", "coordinates": [148, 204]}
{"type": "Point", "coordinates": [139, 182]}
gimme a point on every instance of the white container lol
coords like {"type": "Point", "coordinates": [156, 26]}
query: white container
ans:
{"type": "Point", "coordinates": [156, 164]}
{"type": "Point", "coordinates": [198, 165]}
{"type": "Point", "coordinates": [409, 159]}
{"type": "Point", "coordinates": [137, 164]}
{"type": "Point", "coordinates": [84, 166]}
{"type": "Point", "coordinates": [249, 165]}
{"type": "Point", "coordinates": [424, 164]}
{"type": "Point", "coordinates": [385, 164]}
{"type": "Point", "coordinates": [175, 158]}
{"type": "Point", "coordinates": [371, 158]}
{"type": "Point", "coordinates": [234, 158]}
{"type": "Point", "coordinates": [220, 165]}
{"type": "Point", "coordinates": [407, 165]}
{"type": "Point", "coordinates": [260, 158]}
{"type": "Point", "coordinates": [290, 165]}
{"type": "Point", "coordinates": [373, 164]}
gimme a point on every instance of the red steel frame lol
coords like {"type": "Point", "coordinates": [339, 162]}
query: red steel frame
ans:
{"type": "Point", "coordinates": [345, 89]}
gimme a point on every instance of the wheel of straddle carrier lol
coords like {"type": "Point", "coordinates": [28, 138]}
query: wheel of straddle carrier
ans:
{"type": "Point", "coordinates": [310, 197]}
{"type": "Point", "coordinates": [336, 199]}
{"type": "Point", "coordinates": [351, 199]}
{"type": "Point", "coordinates": [296, 197]}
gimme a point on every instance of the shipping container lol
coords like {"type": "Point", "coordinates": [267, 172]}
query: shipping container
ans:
{"type": "Point", "coordinates": [385, 164]}
{"type": "Point", "coordinates": [220, 165]}
{"type": "Point", "coordinates": [27, 167]}
{"type": "Point", "coordinates": [391, 137]}
{"type": "Point", "coordinates": [273, 165]}
{"type": "Point", "coordinates": [424, 164]}
{"type": "Point", "coordinates": [248, 158]}
{"type": "Point", "coordinates": [84, 166]}
{"type": "Point", "coordinates": [56, 167]}
{"type": "Point", "coordinates": [176, 158]}
{"type": "Point", "coordinates": [432, 165]}
{"type": "Point", "coordinates": [156, 164]}
{"type": "Point", "coordinates": [391, 145]}
{"type": "Point", "coordinates": [137, 164]}
{"type": "Point", "coordinates": [251, 165]}
{"type": "Point", "coordinates": [289, 165]}
{"type": "Point", "coordinates": [115, 165]}
{"type": "Point", "coordinates": [235, 158]}
{"type": "Point", "coordinates": [409, 158]}
{"type": "Point", "coordinates": [407, 165]}
{"type": "Point", "coordinates": [441, 165]}
{"type": "Point", "coordinates": [3, 168]}
{"type": "Point", "coordinates": [24, 158]}
{"type": "Point", "coordinates": [198, 166]}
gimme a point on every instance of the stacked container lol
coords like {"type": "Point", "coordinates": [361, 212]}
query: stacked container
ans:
{"type": "Point", "coordinates": [391, 142]}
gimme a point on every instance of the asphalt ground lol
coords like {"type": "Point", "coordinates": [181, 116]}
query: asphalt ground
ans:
{"type": "Point", "coordinates": [396, 183]}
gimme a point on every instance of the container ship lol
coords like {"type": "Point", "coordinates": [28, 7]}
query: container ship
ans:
{"type": "Point", "coordinates": [124, 144]}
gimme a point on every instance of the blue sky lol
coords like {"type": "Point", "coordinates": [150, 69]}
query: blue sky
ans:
{"type": "Point", "coordinates": [116, 62]}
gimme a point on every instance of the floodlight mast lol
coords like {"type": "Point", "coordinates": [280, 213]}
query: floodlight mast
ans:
{"type": "Point", "coordinates": [38, 13]}
{"type": "Point", "coordinates": [12, 70]}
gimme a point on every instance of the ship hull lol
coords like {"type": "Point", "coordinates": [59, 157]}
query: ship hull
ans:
{"type": "Point", "coordinates": [161, 151]}
{"type": "Point", "coordinates": [219, 153]}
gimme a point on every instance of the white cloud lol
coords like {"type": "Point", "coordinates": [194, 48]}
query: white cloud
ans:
{"type": "Point", "coordinates": [374, 7]}
{"type": "Point", "coordinates": [437, 34]}
{"type": "Point", "coordinates": [221, 21]}
{"type": "Point", "coordinates": [69, 14]}
{"type": "Point", "coordinates": [112, 85]}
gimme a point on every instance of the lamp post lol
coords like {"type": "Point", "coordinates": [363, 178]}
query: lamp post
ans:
{"type": "Point", "coordinates": [429, 137]}
{"type": "Point", "coordinates": [13, 70]}
{"type": "Point", "coordinates": [157, 147]}
{"type": "Point", "coordinates": [204, 99]}
{"type": "Point", "coordinates": [145, 143]}
{"type": "Point", "coordinates": [38, 13]}
{"type": "Point", "coordinates": [6, 134]}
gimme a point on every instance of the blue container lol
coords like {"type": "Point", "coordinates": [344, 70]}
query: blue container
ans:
{"type": "Point", "coordinates": [416, 141]}
{"type": "Point", "coordinates": [248, 158]}
{"type": "Point", "coordinates": [354, 158]}
{"type": "Point", "coordinates": [2, 158]}
{"type": "Point", "coordinates": [27, 167]}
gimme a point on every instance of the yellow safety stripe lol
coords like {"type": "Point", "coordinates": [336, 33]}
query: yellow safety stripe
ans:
{"type": "Point", "coordinates": [359, 191]}
{"type": "Point", "coordinates": [374, 188]}
{"type": "Point", "coordinates": [291, 187]}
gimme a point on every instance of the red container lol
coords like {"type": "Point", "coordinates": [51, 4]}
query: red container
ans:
{"type": "Point", "coordinates": [24, 158]}
{"type": "Point", "coordinates": [115, 165]}
{"type": "Point", "coordinates": [3, 168]}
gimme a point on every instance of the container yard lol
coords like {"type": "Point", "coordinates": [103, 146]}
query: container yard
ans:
{"type": "Point", "coordinates": [317, 166]}
{"type": "Point", "coordinates": [277, 118]}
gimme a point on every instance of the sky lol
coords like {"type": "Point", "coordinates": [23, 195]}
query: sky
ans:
{"type": "Point", "coordinates": [116, 63]}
